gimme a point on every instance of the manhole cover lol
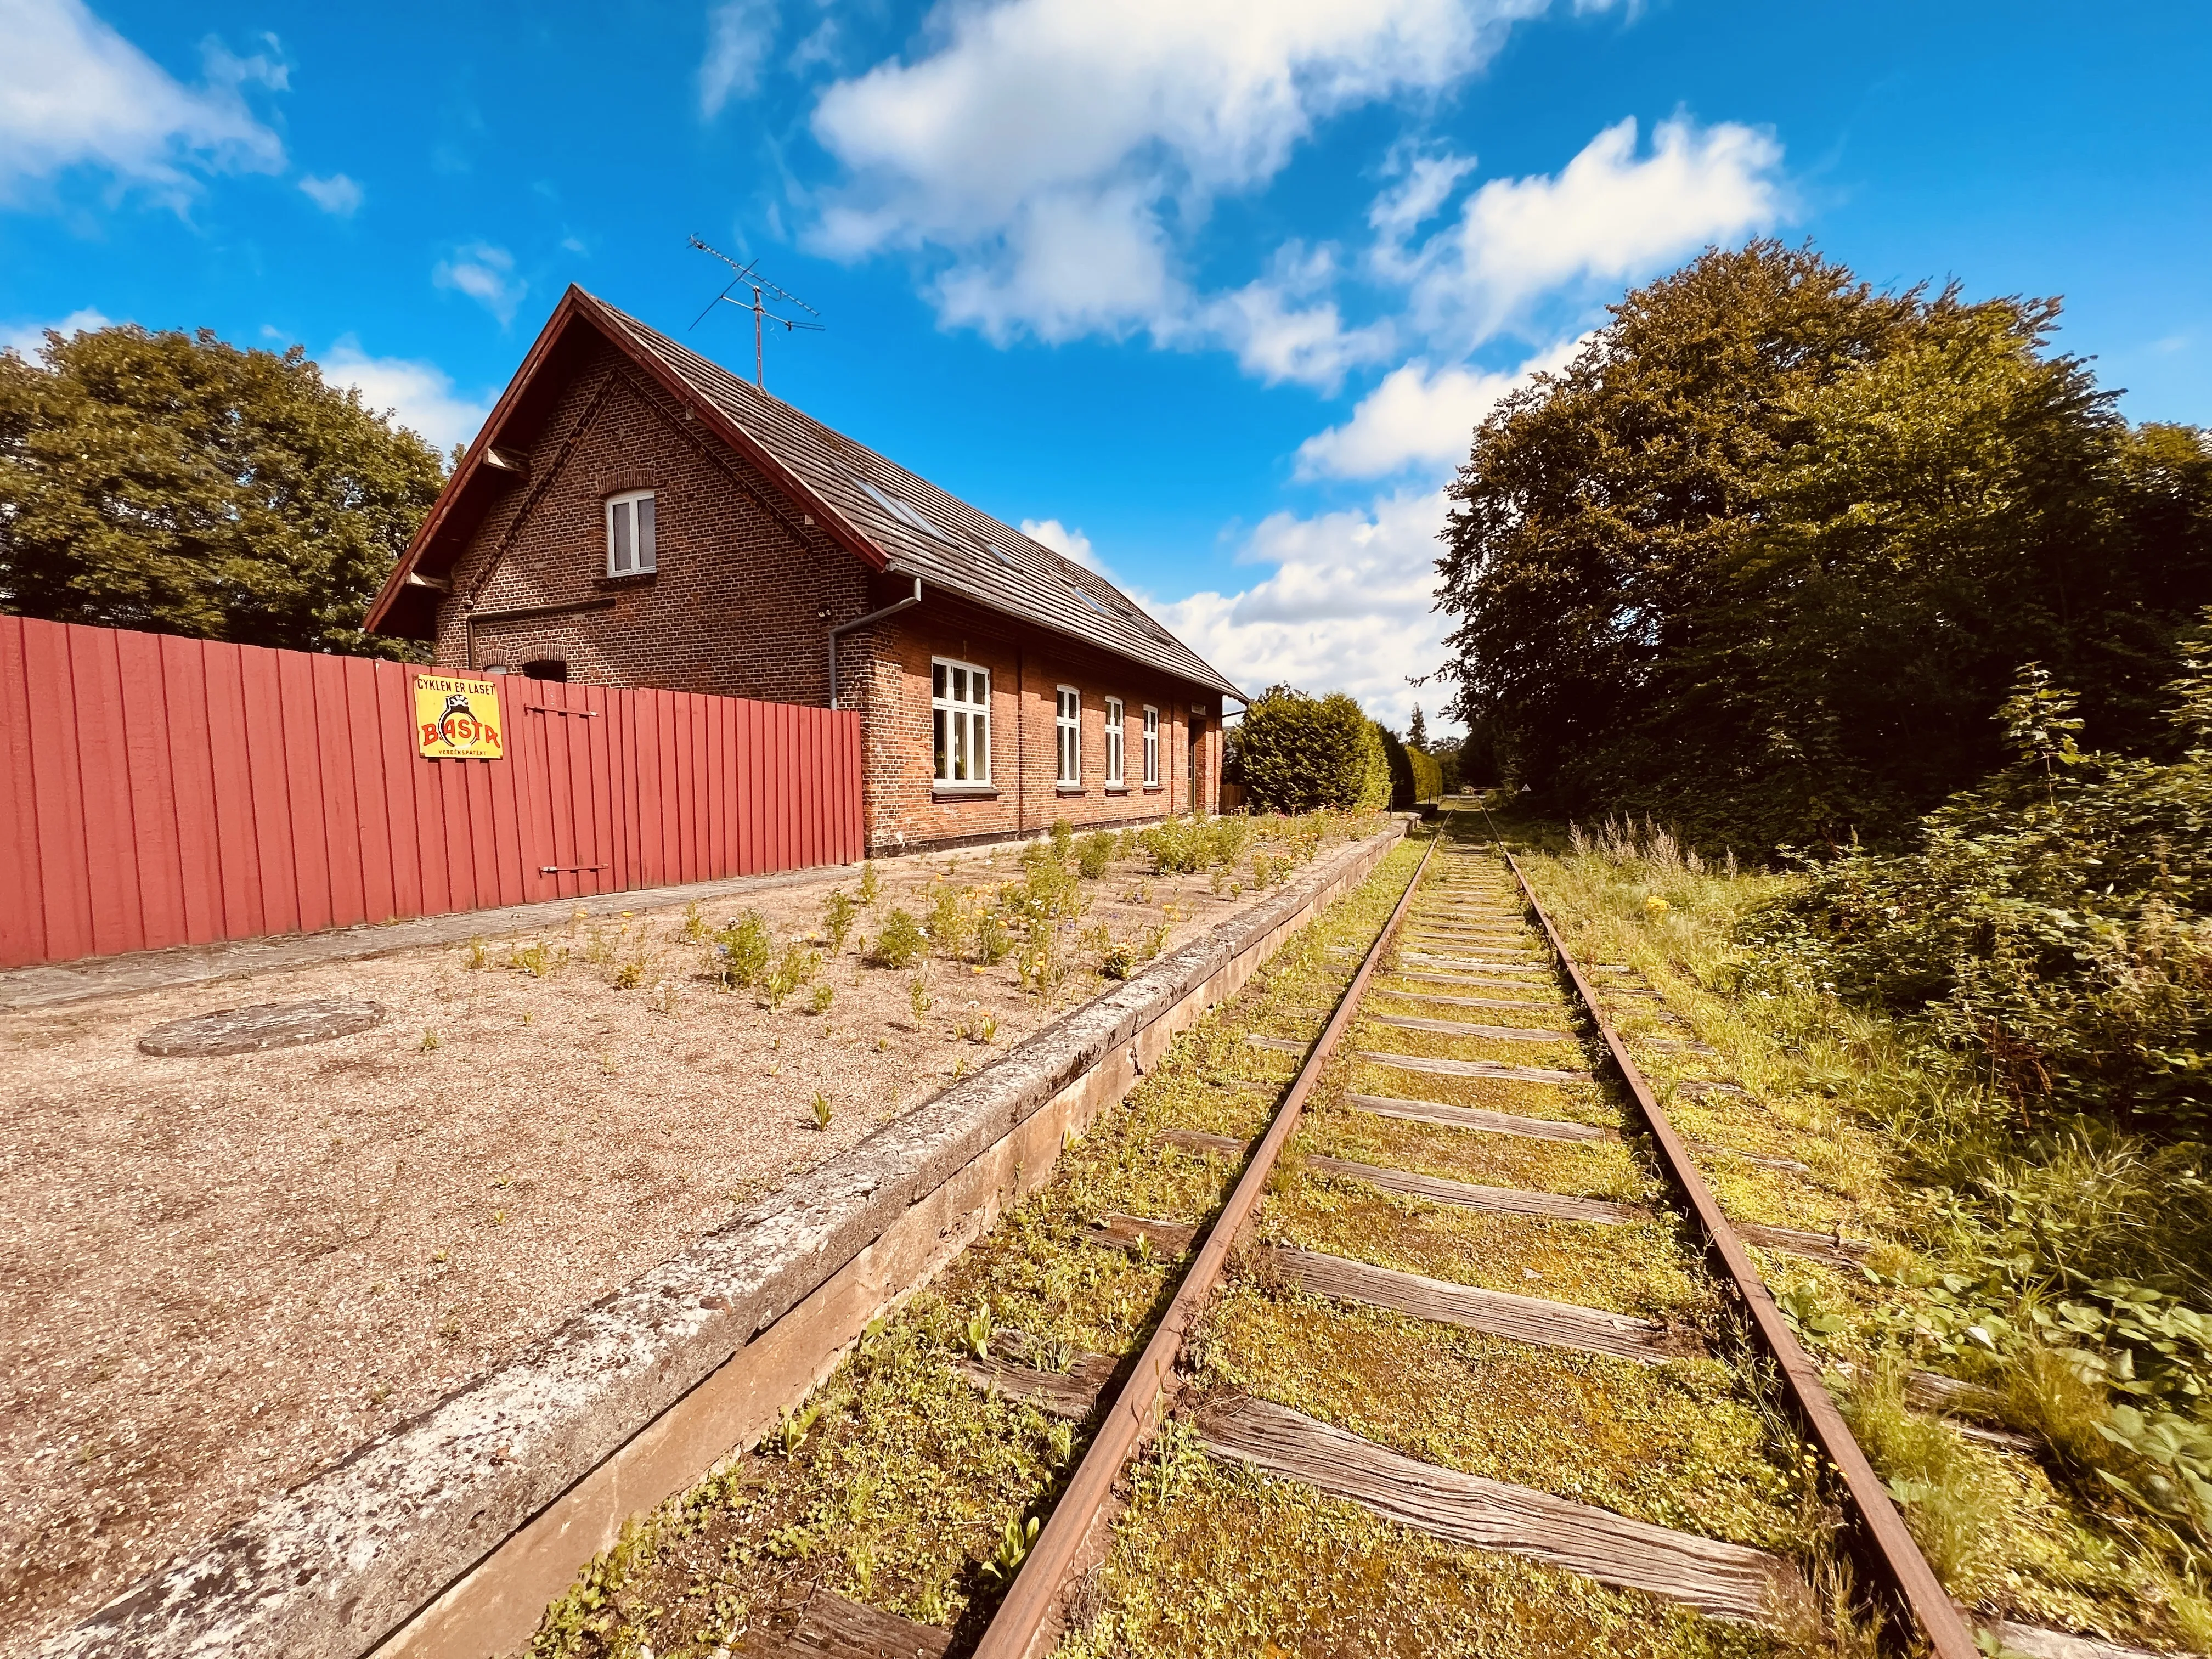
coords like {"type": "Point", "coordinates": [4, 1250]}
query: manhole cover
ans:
{"type": "Point", "coordinates": [265, 1025]}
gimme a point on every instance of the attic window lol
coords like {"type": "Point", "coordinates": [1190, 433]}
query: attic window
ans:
{"type": "Point", "coordinates": [1003, 558]}
{"type": "Point", "coordinates": [630, 541]}
{"type": "Point", "coordinates": [1085, 595]}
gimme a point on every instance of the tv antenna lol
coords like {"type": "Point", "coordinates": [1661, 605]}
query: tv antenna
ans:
{"type": "Point", "coordinates": [749, 277]}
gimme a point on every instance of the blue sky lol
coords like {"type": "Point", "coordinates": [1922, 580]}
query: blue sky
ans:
{"type": "Point", "coordinates": [1209, 294]}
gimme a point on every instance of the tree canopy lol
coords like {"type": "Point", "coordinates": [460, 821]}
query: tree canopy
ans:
{"type": "Point", "coordinates": [1765, 556]}
{"type": "Point", "coordinates": [175, 482]}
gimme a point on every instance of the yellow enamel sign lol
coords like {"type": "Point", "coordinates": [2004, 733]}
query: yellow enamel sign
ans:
{"type": "Point", "coordinates": [458, 719]}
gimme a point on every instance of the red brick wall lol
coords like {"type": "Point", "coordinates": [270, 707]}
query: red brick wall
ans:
{"type": "Point", "coordinates": [741, 603]}
{"type": "Point", "coordinates": [736, 605]}
{"type": "Point", "coordinates": [1028, 665]}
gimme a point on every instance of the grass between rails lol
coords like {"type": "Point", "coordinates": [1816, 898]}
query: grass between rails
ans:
{"type": "Point", "coordinates": [2060, 1271]}
{"type": "Point", "coordinates": [901, 1485]}
{"type": "Point", "coordinates": [1209, 1561]}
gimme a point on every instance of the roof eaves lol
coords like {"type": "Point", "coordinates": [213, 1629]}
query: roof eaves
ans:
{"type": "Point", "coordinates": [471, 462]}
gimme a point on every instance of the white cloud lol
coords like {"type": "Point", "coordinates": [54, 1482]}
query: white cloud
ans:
{"type": "Point", "coordinates": [417, 395]}
{"type": "Point", "coordinates": [1054, 149]}
{"type": "Point", "coordinates": [1061, 539]}
{"type": "Point", "coordinates": [336, 194]}
{"type": "Point", "coordinates": [26, 340]}
{"type": "Point", "coordinates": [1347, 608]}
{"type": "Point", "coordinates": [1418, 416]}
{"type": "Point", "coordinates": [486, 275]}
{"type": "Point", "coordinates": [739, 35]}
{"type": "Point", "coordinates": [1285, 327]}
{"type": "Point", "coordinates": [74, 92]}
{"type": "Point", "coordinates": [1611, 214]}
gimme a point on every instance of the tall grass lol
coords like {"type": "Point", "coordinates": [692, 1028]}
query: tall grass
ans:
{"type": "Point", "coordinates": [2064, 1263]}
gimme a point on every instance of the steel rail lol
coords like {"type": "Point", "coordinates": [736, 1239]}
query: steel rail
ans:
{"type": "Point", "coordinates": [1894, 1554]}
{"type": "Point", "coordinates": [1022, 1617]}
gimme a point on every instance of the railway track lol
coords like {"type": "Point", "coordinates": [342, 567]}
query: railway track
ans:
{"type": "Point", "coordinates": [1462, 977]}
{"type": "Point", "coordinates": [1454, 1351]}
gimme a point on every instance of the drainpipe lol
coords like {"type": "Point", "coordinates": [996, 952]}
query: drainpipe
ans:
{"type": "Point", "coordinates": [891, 610]}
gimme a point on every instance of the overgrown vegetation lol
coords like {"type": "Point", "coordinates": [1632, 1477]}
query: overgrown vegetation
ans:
{"type": "Point", "coordinates": [2052, 925]}
{"type": "Point", "coordinates": [2044, 1230]}
{"type": "Point", "coordinates": [902, 1484]}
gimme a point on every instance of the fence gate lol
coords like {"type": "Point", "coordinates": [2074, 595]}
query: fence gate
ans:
{"type": "Point", "coordinates": [157, 791]}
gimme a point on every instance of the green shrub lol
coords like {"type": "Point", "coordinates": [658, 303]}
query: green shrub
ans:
{"type": "Point", "coordinates": [1298, 753]}
{"type": "Point", "coordinates": [1063, 835]}
{"type": "Point", "coordinates": [1186, 846]}
{"type": "Point", "coordinates": [992, 940]}
{"type": "Point", "coordinates": [1093, 853]}
{"type": "Point", "coordinates": [951, 921]}
{"type": "Point", "coordinates": [1415, 778]}
{"type": "Point", "coordinates": [901, 944]}
{"type": "Point", "coordinates": [796, 966]}
{"type": "Point", "coordinates": [743, 950]}
{"type": "Point", "coordinates": [837, 913]}
{"type": "Point", "coordinates": [2054, 924]}
{"type": "Point", "coordinates": [1047, 891]}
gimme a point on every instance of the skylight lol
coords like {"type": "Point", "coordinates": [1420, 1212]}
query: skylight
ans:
{"type": "Point", "coordinates": [899, 510]}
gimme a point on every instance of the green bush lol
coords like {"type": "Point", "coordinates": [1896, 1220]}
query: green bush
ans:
{"type": "Point", "coordinates": [743, 949]}
{"type": "Point", "coordinates": [837, 913]}
{"type": "Point", "coordinates": [1186, 846]}
{"type": "Point", "coordinates": [951, 924]}
{"type": "Point", "coordinates": [1298, 753]}
{"type": "Point", "coordinates": [901, 944]}
{"type": "Point", "coordinates": [1093, 853]}
{"type": "Point", "coordinates": [2053, 923]}
{"type": "Point", "coordinates": [1415, 778]}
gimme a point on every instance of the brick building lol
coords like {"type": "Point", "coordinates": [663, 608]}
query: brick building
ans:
{"type": "Point", "coordinates": [632, 514]}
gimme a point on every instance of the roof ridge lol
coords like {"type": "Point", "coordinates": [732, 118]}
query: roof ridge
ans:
{"type": "Point", "coordinates": [905, 530]}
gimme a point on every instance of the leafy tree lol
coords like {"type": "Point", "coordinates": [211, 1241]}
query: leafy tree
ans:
{"type": "Point", "coordinates": [1300, 753]}
{"type": "Point", "coordinates": [171, 482]}
{"type": "Point", "coordinates": [1761, 559]}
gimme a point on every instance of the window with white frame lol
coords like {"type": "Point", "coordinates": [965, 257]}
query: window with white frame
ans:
{"type": "Point", "coordinates": [1152, 747]}
{"type": "Point", "coordinates": [960, 712]}
{"type": "Point", "coordinates": [1068, 725]}
{"type": "Point", "coordinates": [1113, 742]}
{"type": "Point", "coordinates": [629, 533]}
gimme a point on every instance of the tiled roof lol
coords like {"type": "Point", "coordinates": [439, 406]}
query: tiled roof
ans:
{"type": "Point", "coordinates": [920, 530]}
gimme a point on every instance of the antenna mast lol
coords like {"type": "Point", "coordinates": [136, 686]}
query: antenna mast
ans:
{"type": "Point", "coordinates": [749, 274]}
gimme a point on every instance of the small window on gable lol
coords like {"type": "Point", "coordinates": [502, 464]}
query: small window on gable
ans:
{"type": "Point", "coordinates": [630, 540]}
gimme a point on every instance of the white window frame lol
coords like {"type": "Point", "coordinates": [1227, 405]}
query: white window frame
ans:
{"type": "Point", "coordinates": [1152, 747]}
{"type": "Point", "coordinates": [960, 723]}
{"type": "Point", "coordinates": [1067, 734]}
{"type": "Point", "coordinates": [626, 513]}
{"type": "Point", "coordinates": [1113, 752]}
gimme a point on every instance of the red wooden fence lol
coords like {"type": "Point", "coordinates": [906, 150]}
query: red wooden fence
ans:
{"type": "Point", "coordinates": [156, 791]}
